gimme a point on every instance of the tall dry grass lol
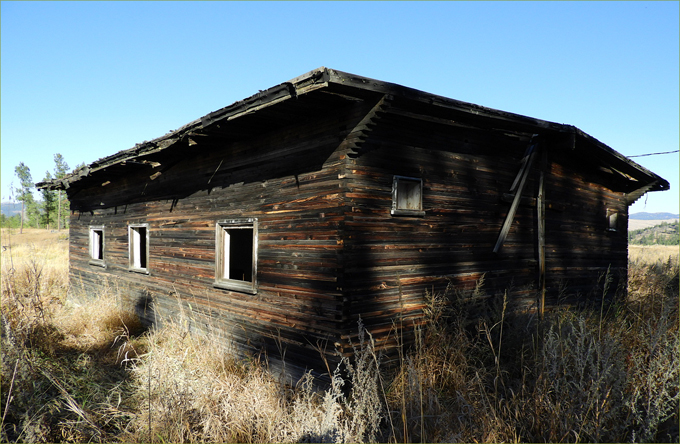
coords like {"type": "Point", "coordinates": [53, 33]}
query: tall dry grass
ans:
{"type": "Point", "coordinates": [81, 369]}
{"type": "Point", "coordinates": [188, 389]}
{"type": "Point", "coordinates": [60, 378]}
{"type": "Point", "coordinates": [650, 254]}
{"type": "Point", "coordinates": [578, 376]}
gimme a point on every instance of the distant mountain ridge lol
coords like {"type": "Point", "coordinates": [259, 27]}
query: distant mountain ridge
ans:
{"type": "Point", "coordinates": [653, 216]}
{"type": "Point", "coordinates": [10, 208]}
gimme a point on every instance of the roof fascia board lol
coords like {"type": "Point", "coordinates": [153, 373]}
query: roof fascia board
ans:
{"type": "Point", "coordinates": [303, 84]}
{"type": "Point", "coordinates": [657, 182]}
{"type": "Point", "coordinates": [140, 150]}
{"type": "Point", "coordinates": [631, 197]}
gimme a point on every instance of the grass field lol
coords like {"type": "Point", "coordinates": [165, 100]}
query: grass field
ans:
{"type": "Point", "coordinates": [35, 236]}
{"type": "Point", "coordinates": [636, 224]}
{"type": "Point", "coordinates": [651, 254]}
{"type": "Point", "coordinates": [90, 373]}
{"type": "Point", "coordinates": [48, 247]}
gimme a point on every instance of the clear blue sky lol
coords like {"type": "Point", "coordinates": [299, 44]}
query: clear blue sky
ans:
{"type": "Point", "coordinates": [88, 79]}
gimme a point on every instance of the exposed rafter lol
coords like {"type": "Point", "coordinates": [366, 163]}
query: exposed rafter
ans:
{"type": "Point", "coordinates": [360, 133]}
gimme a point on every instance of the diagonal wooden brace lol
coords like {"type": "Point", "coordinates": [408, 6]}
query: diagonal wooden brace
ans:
{"type": "Point", "coordinates": [522, 176]}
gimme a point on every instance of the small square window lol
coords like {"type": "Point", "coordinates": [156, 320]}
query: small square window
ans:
{"type": "Point", "coordinates": [407, 196]}
{"type": "Point", "coordinates": [97, 246]}
{"type": "Point", "coordinates": [138, 245]}
{"type": "Point", "coordinates": [612, 220]}
{"type": "Point", "coordinates": [236, 255]}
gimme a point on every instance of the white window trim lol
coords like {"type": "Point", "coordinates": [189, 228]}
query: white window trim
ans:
{"type": "Point", "coordinates": [133, 240]}
{"type": "Point", "coordinates": [612, 220]}
{"type": "Point", "coordinates": [395, 198]}
{"type": "Point", "coordinates": [221, 256]}
{"type": "Point", "coordinates": [97, 249]}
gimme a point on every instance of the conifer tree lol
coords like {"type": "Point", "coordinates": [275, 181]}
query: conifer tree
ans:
{"type": "Point", "coordinates": [24, 194]}
{"type": "Point", "coordinates": [60, 171]}
{"type": "Point", "coordinates": [49, 204]}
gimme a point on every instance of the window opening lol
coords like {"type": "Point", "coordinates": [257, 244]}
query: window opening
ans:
{"type": "Point", "coordinates": [407, 196]}
{"type": "Point", "coordinates": [612, 220]}
{"type": "Point", "coordinates": [138, 241]}
{"type": "Point", "coordinates": [236, 255]}
{"type": "Point", "coordinates": [97, 245]}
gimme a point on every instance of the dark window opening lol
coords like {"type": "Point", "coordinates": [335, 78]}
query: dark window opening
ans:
{"type": "Point", "coordinates": [97, 246]}
{"type": "Point", "coordinates": [612, 220]}
{"type": "Point", "coordinates": [236, 255]}
{"type": "Point", "coordinates": [240, 254]}
{"type": "Point", "coordinates": [138, 240]}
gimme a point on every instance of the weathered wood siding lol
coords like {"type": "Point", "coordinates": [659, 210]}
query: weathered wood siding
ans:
{"type": "Point", "coordinates": [392, 261]}
{"type": "Point", "coordinates": [580, 249]}
{"type": "Point", "coordinates": [297, 197]}
{"type": "Point", "coordinates": [329, 250]}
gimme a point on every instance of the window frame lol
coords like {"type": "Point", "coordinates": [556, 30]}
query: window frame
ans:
{"type": "Point", "coordinates": [396, 211]}
{"type": "Point", "coordinates": [221, 227]}
{"type": "Point", "coordinates": [100, 259]}
{"type": "Point", "coordinates": [612, 220]}
{"type": "Point", "coordinates": [131, 250]}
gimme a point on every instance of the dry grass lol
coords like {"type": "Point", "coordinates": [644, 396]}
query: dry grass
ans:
{"type": "Point", "coordinates": [34, 277]}
{"type": "Point", "coordinates": [35, 236]}
{"type": "Point", "coordinates": [579, 376]}
{"type": "Point", "coordinates": [650, 254]}
{"type": "Point", "coordinates": [82, 370]}
{"type": "Point", "coordinates": [60, 377]}
{"type": "Point", "coordinates": [88, 372]}
{"type": "Point", "coordinates": [188, 388]}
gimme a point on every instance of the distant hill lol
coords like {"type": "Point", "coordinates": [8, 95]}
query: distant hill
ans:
{"type": "Point", "coordinates": [652, 216]}
{"type": "Point", "coordinates": [664, 234]}
{"type": "Point", "coordinates": [10, 209]}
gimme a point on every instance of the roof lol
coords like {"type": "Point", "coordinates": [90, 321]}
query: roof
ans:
{"type": "Point", "coordinates": [325, 88]}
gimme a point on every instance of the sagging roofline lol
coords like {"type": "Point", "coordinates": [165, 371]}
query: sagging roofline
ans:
{"type": "Point", "coordinates": [322, 78]}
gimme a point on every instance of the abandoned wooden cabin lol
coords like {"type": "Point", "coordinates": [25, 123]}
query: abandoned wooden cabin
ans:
{"type": "Point", "coordinates": [281, 219]}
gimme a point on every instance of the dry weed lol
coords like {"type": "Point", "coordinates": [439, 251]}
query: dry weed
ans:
{"type": "Point", "coordinates": [56, 384]}
{"type": "Point", "coordinates": [592, 375]}
{"type": "Point", "coordinates": [189, 389]}
{"type": "Point", "coordinates": [650, 254]}
{"type": "Point", "coordinates": [81, 370]}
{"type": "Point", "coordinates": [580, 384]}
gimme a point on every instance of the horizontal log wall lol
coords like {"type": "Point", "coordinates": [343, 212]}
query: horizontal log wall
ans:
{"type": "Point", "coordinates": [394, 260]}
{"type": "Point", "coordinates": [329, 251]}
{"type": "Point", "coordinates": [580, 249]}
{"type": "Point", "coordinates": [298, 202]}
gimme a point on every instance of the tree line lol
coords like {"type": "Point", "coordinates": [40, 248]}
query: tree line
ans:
{"type": "Point", "coordinates": [666, 233]}
{"type": "Point", "coordinates": [50, 210]}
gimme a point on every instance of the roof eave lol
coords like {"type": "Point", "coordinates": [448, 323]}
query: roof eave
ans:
{"type": "Point", "coordinates": [321, 78]}
{"type": "Point", "coordinates": [302, 84]}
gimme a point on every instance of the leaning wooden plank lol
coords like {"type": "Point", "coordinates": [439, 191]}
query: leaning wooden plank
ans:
{"type": "Point", "coordinates": [525, 162]}
{"type": "Point", "coordinates": [515, 203]}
